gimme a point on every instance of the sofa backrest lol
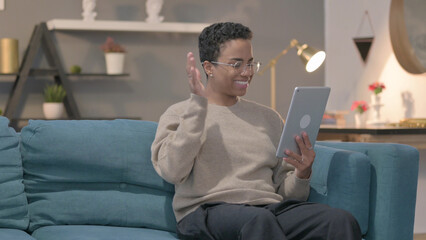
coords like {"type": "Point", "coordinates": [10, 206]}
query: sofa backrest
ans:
{"type": "Point", "coordinates": [13, 202]}
{"type": "Point", "coordinates": [94, 172]}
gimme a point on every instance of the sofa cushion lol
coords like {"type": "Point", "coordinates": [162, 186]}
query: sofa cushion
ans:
{"type": "Point", "coordinates": [100, 233]}
{"type": "Point", "coordinates": [94, 172]}
{"type": "Point", "coordinates": [13, 202]}
{"type": "Point", "coordinates": [14, 234]}
{"type": "Point", "coordinates": [341, 179]}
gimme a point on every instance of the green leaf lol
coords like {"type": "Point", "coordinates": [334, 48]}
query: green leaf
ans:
{"type": "Point", "coordinates": [54, 93]}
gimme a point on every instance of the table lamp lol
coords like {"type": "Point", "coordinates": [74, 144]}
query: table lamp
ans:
{"type": "Point", "coordinates": [311, 58]}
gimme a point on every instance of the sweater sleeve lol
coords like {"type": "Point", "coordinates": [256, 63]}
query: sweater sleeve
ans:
{"type": "Point", "coordinates": [290, 186]}
{"type": "Point", "coordinates": [178, 140]}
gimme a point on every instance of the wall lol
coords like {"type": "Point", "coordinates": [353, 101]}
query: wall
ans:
{"type": "Point", "coordinates": [156, 61]}
{"type": "Point", "coordinates": [349, 76]}
{"type": "Point", "coordinates": [346, 71]}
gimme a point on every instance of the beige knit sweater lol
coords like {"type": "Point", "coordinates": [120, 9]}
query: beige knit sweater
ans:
{"type": "Point", "coordinates": [217, 153]}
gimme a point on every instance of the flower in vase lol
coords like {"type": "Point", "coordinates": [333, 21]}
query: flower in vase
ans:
{"type": "Point", "coordinates": [111, 46]}
{"type": "Point", "coordinates": [376, 87]}
{"type": "Point", "coordinates": [359, 106]}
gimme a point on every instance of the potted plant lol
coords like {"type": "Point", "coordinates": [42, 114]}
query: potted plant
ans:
{"type": "Point", "coordinates": [114, 56]}
{"type": "Point", "coordinates": [376, 89]}
{"type": "Point", "coordinates": [53, 106]}
{"type": "Point", "coordinates": [360, 107]}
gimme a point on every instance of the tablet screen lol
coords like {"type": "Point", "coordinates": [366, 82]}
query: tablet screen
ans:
{"type": "Point", "coordinates": [304, 115]}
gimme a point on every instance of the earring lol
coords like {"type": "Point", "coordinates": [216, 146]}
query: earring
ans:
{"type": "Point", "coordinates": [211, 74]}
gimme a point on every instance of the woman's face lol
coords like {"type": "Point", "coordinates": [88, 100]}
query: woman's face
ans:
{"type": "Point", "coordinates": [227, 82]}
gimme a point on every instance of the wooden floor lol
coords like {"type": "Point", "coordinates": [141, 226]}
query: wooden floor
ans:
{"type": "Point", "coordinates": [420, 236]}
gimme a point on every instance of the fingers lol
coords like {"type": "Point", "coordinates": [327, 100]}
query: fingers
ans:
{"type": "Point", "coordinates": [190, 62]}
{"type": "Point", "coordinates": [302, 164]}
{"type": "Point", "coordinates": [294, 159]}
{"type": "Point", "coordinates": [304, 143]}
{"type": "Point", "coordinates": [190, 66]}
{"type": "Point", "coordinates": [194, 76]}
{"type": "Point", "coordinates": [307, 141]}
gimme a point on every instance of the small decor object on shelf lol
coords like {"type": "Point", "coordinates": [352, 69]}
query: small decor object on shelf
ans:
{"type": "Point", "coordinates": [75, 69]}
{"type": "Point", "coordinates": [114, 56]}
{"type": "Point", "coordinates": [376, 88]}
{"type": "Point", "coordinates": [53, 106]}
{"type": "Point", "coordinates": [153, 8]}
{"type": "Point", "coordinates": [88, 7]}
{"type": "Point", "coordinates": [360, 107]}
{"type": "Point", "coordinates": [9, 59]}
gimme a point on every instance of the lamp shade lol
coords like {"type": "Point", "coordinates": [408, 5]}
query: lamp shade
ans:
{"type": "Point", "coordinates": [311, 57]}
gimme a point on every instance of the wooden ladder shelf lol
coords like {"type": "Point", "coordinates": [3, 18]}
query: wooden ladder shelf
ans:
{"type": "Point", "coordinates": [41, 38]}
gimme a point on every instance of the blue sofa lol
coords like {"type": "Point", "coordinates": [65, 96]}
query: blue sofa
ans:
{"type": "Point", "coordinates": [93, 179]}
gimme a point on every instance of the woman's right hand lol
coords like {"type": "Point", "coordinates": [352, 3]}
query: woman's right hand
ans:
{"type": "Point", "coordinates": [194, 76]}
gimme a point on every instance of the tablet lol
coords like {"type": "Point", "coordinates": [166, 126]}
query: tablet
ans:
{"type": "Point", "coordinates": [305, 114]}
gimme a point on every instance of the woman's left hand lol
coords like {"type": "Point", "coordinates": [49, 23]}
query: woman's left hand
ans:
{"type": "Point", "coordinates": [302, 163]}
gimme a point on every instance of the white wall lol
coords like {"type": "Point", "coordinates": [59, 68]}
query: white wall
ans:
{"type": "Point", "coordinates": [349, 77]}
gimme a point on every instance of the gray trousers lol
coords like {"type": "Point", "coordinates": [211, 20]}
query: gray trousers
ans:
{"type": "Point", "coordinates": [288, 220]}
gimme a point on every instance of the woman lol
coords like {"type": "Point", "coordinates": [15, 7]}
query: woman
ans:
{"type": "Point", "coordinates": [219, 151]}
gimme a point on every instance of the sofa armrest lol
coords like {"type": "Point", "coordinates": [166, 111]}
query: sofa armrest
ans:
{"type": "Point", "coordinates": [393, 188]}
{"type": "Point", "coordinates": [341, 179]}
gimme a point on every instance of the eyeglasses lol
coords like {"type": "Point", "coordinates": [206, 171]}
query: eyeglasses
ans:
{"type": "Point", "coordinates": [238, 66]}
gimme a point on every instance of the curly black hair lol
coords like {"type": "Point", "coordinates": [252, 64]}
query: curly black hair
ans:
{"type": "Point", "coordinates": [213, 36]}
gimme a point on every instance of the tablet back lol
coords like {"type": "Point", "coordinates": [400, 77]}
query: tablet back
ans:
{"type": "Point", "coordinates": [305, 114]}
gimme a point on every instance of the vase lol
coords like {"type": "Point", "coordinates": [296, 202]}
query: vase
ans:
{"type": "Point", "coordinates": [9, 60]}
{"type": "Point", "coordinates": [114, 62]}
{"type": "Point", "coordinates": [53, 110]}
{"type": "Point", "coordinates": [375, 107]}
{"type": "Point", "coordinates": [375, 99]}
{"type": "Point", "coordinates": [360, 120]}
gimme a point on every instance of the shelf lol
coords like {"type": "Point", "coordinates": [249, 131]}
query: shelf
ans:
{"type": "Point", "coordinates": [385, 130]}
{"type": "Point", "coordinates": [81, 75]}
{"type": "Point", "coordinates": [53, 72]}
{"type": "Point", "coordinates": [124, 26]}
{"type": "Point", "coordinates": [8, 74]}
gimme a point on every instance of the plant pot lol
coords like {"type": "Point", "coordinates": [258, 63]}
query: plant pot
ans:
{"type": "Point", "coordinates": [360, 119]}
{"type": "Point", "coordinates": [52, 110]}
{"type": "Point", "coordinates": [114, 62]}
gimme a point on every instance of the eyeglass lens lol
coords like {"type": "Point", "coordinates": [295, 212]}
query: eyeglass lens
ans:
{"type": "Point", "coordinates": [252, 67]}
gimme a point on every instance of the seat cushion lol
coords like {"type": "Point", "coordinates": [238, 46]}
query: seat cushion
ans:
{"type": "Point", "coordinates": [13, 202]}
{"type": "Point", "coordinates": [14, 234]}
{"type": "Point", "coordinates": [100, 233]}
{"type": "Point", "coordinates": [93, 172]}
